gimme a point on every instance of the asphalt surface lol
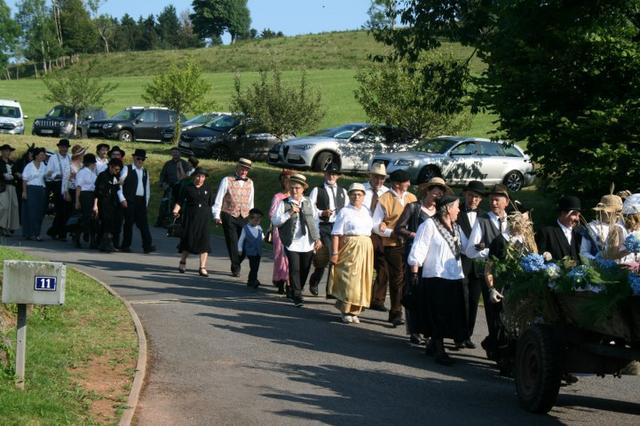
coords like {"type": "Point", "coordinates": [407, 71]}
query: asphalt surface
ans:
{"type": "Point", "coordinates": [221, 353]}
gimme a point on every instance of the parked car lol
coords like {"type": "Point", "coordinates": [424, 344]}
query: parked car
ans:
{"type": "Point", "coordinates": [351, 146]}
{"type": "Point", "coordinates": [87, 118]}
{"type": "Point", "coordinates": [226, 138]}
{"type": "Point", "coordinates": [460, 159]}
{"type": "Point", "coordinates": [136, 124]}
{"type": "Point", "coordinates": [11, 117]}
{"type": "Point", "coordinates": [60, 121]}
{"type": "Point", "coordinates": [201, 120]}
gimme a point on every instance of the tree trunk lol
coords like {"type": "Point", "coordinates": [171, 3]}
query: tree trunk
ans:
{"type": "Point", "coordinates": [35, 70]}
{"type": "Point", "coordinates": [177, 129]}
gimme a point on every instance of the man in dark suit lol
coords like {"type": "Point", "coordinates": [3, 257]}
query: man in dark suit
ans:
{"type": "Point", "coordinates": [563, 238]}
{"type": "Point", "coordinates": [473, 194]}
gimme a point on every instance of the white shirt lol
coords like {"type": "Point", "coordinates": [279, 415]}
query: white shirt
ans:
{"type": "Point", "coordinates": [86, 179]}
{"type": "Point", "coordinates": [472, 216]}
{"type": "Point", "coordinates": [476, 237]}
{"type": "Point", "coordinates": [57, 166]}
{"type": "Point", "coordinates": [353, 221]}
{"type": "Point", "coordinates": [313, 196]}
{"type": "Point", "coordinates": [255, 231]}
{"type": "Point", "coordinates": [368, 194]}
{"type": "Point", "coordinates": [222, 191]}
{"type": "Point", "coordinates": [101, 165]}
{"type": "Point", "coordinates": [69, 178]}
{"type": "Point", "coordinates": [140, 190]}
{"type": "Point", "coordinates": [566, 231]}
{"type": "Point", "coordinates": [33, 175]}
{"type": "Point", "coordinates": [300, 243]}
{"type": "Point", "coordinates": [379, 214]}
{"type": "Point", "coordinates": [431, 250]}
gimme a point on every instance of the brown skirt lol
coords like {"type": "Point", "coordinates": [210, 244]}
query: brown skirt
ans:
{"type": "Point", "coordinates": [350, 279]}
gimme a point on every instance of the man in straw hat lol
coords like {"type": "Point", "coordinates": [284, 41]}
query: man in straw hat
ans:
{"type": "Point", "coordinates": [390, 207]}
{"type": "Point", "coordinates": [604, 235]}
{"type": "Point", "coordinates": [563, 239]}
{"type": "Point", "coordinates": [329, 198]}
{"type": "Point", "coordinates": [472, 195]}
{"type": "Point", "coordinates": [233, 202]}
{"type": "Point", "coordinates": [134, 197]}
{"type": "Point", "coordinates": [374, 189]}
{"type": "Point", "coordinates": [488, 227]}
{"type": "Point", "coordinates": [57, 167]}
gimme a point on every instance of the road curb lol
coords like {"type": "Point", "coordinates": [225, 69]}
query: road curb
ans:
{"type": "Point", "coordinates": [141, 365]}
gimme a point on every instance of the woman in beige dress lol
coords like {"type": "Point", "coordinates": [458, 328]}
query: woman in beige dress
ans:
{"type": "Point", "coordinates": [352, 257]}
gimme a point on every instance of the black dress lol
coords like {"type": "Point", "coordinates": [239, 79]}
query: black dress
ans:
{"type": "Point", "coordinates": [195, 204]}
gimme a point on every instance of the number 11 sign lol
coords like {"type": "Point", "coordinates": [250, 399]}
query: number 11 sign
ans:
{"type": "Point", "coordinates": [45, 283]}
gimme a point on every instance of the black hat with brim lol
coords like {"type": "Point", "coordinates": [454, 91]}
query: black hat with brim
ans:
{"type": "Point", "coordinates": [499, 189]}
{"type": "Point", "coordinates": [332, 168]}
{"type": "Point", "coordinates": [569, 203]}
{"type": "Point", "coordinates": [116, 148]}
{"type": "Point", "coordinates": [445, 200]}
{"type": "Point", "coordinates": [6, 147]}
{"type": "Point", "coordinates": [399, 176]}
{"type": "Point", "coordinates": [200, 171]}
{"type": "Point", "coordinates": [476, 186]}
{"type": "Point", "coordinates": [140, 153]}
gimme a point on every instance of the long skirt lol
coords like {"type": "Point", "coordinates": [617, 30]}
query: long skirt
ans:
{"type": "Point", "coordinates": [33, 211]}
{"type": "Point", "coordinates": [280, 260]}
{"type": "Point", "coordinates": [350, 279]}
{"type": "Point", "coordinates": [446, 308]}
{"type": "Point", "coordinates": [9, 209]}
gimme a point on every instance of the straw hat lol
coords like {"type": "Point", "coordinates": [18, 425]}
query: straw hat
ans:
{"type": "Point", "coordinates": [356, 187]}
{"type": "Point", "coordinates": [78, 151]}
{"type": "Point", "coordinates": [609, 203]}
{"type": "Point", "coordinates": [298, 178]}
{"type": "Point", "coordinates": [243, 162]}
{"type": "Point", "coordinates": [434, 181]}
{"type": "Point", "coordinates": [378, 169]}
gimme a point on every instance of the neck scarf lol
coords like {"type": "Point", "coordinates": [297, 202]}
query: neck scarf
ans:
{"type": "Point", "coordinates": [451, 237]}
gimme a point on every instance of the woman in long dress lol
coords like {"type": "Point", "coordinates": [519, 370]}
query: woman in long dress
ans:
{"type": "Point", "coordinates": [195, 203]}
{"type": "Point", "coordinates": [352, 257]}
{"type": "Point", "coordinates": [280, 275]}
{"type": "Point", "coordinates": [437, 247]}
{"type": "Point", "coordinates": [33, 195]}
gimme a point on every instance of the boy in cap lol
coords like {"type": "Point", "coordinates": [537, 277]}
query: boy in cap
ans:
{"type": "Point", "coordinates": [233, 202]}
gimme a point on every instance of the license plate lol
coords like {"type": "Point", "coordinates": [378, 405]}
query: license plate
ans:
{"type": "Point", "coordinates": [273, 156]}
{"type": "Point", "coordinates": [94, 131]}
{"type": "Point", "coordinates": [184, 144]}
{"type": "Point", "coordinates": [46, 131]}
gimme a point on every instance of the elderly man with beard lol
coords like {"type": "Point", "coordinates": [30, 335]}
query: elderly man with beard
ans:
{"type": "Point", "coordinates": [563, 238]}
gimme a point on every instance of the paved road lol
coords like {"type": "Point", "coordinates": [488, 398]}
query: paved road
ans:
{"type": "Point", "coordinates": [224, 354]}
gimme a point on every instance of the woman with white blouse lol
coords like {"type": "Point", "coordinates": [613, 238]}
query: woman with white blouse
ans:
{"type": "Point", "coordinates": [296, 218]}
{"type": "Point", "coordinates": [85, 201]}
{"type": "Point", "coordinates": [33, 195]}
{"type": "Point", "coordinates": [352, 257]}
{"type": "Point", "coordinates": [437, 248]}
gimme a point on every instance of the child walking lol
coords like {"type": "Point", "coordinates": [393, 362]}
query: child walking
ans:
{"type": "Point", "coordinates": [250, 243]}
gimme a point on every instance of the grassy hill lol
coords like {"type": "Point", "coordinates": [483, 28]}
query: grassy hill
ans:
{"type": "Point", "coordinates": [330, 59]}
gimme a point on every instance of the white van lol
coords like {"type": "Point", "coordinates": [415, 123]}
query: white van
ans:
{"type": "Point", "coordinates": [11, 117]}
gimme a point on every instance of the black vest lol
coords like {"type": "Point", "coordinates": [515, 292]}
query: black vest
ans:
{"type": "Point", "coordinates": [489, 231]}
{"type": "Point", "coordinates": [323, 200]}
{"type": "Point", "coordinates": [131, 183]}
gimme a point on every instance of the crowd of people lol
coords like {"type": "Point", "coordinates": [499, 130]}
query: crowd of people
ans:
{"type": "Point", "coordinates": [431, 253]}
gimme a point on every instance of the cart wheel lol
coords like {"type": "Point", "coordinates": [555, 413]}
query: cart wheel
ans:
{"type": "Point", "coordinates": [537, 370]}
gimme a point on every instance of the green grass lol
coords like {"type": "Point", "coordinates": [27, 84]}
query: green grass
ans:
{"type": "Point", "coordinates": [91, 323]}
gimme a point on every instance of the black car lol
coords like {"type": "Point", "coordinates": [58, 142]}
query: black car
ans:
{"type": "Point", "coordinates": [226, 138]}
{"type": "Point", "coordinates": [135, 124]}
{"type": "Point", "coordinates": [59, 121]}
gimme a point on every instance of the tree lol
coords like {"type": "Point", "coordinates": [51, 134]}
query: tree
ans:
{"type": "Point", "coordinates": [169, 28]}
{"type": "Point", "coordinates": [423, 97]}
{"type": "Point", "coordinates": [274, 107]}
{"type": "Point", "coordinates": [182, 89]}
{"type": "Point", "coordinates": [128, 34]}
{"type": "Point", "coordinates": [149, 39]}
{"type": "Point", "coordinates": [78, 32]}
{"type": "Point", "coordinates": [76, 88]}
{"type": "Point", "coordinates": [382, 14]}
{"type": "Point", "coordinates": [238, 19]}
{"type": "Point", "coordinates": [106, 26]}
{"type": "Point", "coordinates": [188, 38]}
{"type": "Point", "coordinates": [562, 75]}
{"type": "Point", "coordinates": [211, 18]}
{"type": "Point", "coordinates": [9, 32]}
{"type": "Point", "coordinates": [38, 38]}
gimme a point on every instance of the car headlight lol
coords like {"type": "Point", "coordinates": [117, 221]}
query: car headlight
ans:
{"type": "Point", "coordinates": [107, 126]}
{"type": "Point", "coordinates": [206, 139]}
{"type": "Point", "coordinates": [302, 147]}
{"type": "Point", "coordinates": [404, 163]}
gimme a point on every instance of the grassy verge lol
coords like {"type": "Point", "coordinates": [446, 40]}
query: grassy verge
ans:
{"type": "Point", "coordinates": [80, 358]}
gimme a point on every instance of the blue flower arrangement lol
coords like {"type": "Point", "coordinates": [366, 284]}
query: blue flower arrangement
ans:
{"type": "Point", "coordinates": [578, 274]}
{"type": "Point", "coordinates": [532, 262]}
{"type": "Point", "coordinates": [634, 282]}
{"type": "Point", "coordinates": [632, 243]}
{"type": "Point", "coordinates": [605, 263]}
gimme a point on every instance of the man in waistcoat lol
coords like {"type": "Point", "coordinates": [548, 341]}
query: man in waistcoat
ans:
{"type": "Point", "coordinates": [58, 166]}
{"type": "Point", "coordinates": [470, 210]}
{"type": "Point", "coordinates": [107, 202]}
{"type": "Point", "coordinates": [233, 202]}
{"type": "Point", "coordinates": [563, 238]}
{"type": "Point", "coordinates": [134, 198]}
{"type": "Point", "coordinates": [385, 217]}
{"type": "Point", "coordinates": [328, 198]}
{"type": "Point", "coordinates": [374, 188]}
{"type": "Point", "coordinates": [487, 228]}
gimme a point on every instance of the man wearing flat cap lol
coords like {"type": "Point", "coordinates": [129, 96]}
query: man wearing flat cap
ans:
{"type": "Point", "coordinates": [9, 210]}
{"type": "Point", "coordinates": [231, 208]}
{"type": "Point", "coordinates": [488, 227]}
{"type": "Point", "coordinates": [134, 197]}
{"type": "Point", "coordinates": [470, 210]}
{"type": "Point", "coordinates": [563, 238]}
{"type": "Point", "coordinates": [58, 166]}
{"type": "Point", "coordinates": [374, 188]}
{"type": "Point", "coordinates": [329, 198]}
{"type": "Point", "coordinates": [385, 217]}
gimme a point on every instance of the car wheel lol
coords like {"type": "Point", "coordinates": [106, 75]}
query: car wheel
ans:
{"type": "Point", "coordinates": [322, 160]}
{"type": "Point", "coordinates": [125, 136]}
{"type": "Point", "coordinates": [514, 180]}
{"type": "Point", "coordinates": [427, 173]}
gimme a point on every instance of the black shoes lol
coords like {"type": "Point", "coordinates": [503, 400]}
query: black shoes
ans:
{"type": "Point", "coordinates": [298, 302]}
{"type": "Point", "coordinates": [149, 249]}
{"type": "Point", "coordinates": [440, 355]}
{"type": "Point", "coordinates": [415, 339]}
{"type": "Point", "coordinates": [378, 307]}
{"type": "Point", "coordinates": [253, 284]}
{"type": "Point", "coordinates": [313, 289]}
{"type": "Point", "coordinates": [280, 285]}
{"type": "Point", "coordinates": [469, 344]}
{"type": "Point", "coordinates": [125, 250]}
{"type": "Point", "coordinates": [396, 321]}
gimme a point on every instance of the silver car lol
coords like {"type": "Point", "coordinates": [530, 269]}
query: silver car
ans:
{"type": "Point", "coordinates": [460, 160]}
{"type": "Point", "coordinates": [351, 146]}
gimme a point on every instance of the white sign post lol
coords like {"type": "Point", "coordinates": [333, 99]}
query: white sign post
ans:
{"type": "Point", "coordinates": [30, 283]}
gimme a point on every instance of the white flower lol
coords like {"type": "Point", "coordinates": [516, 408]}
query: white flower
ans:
{"type": "Point", "coordinates": [547, 256]}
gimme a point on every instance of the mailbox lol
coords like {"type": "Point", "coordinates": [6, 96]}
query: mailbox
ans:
{"type": "Point", "coordinates": [33, 283]}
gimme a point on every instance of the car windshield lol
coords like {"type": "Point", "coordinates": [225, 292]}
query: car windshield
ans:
{"type": "Point", "coordinates": [127, 114]}
{"type": "Point", "coordinates": [435, 146]}
{"type": "Point", "coordinates": [200, 119]}
{"type": "Point", "coordinates": [60, 111]}
{"type": "Point", "coordinates": [9, 111]}
{"type": "Point", "coordinates": [342, 132]}
{"type": "Point", "coordinates": [222, 122]}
